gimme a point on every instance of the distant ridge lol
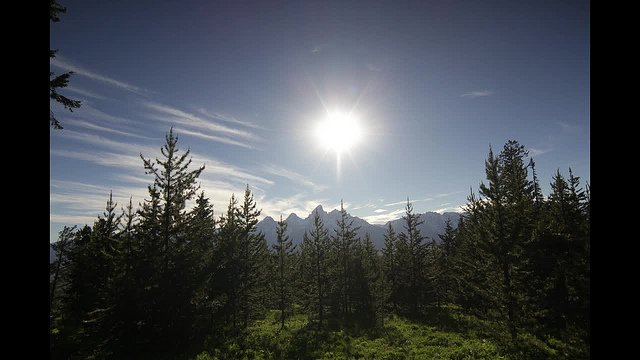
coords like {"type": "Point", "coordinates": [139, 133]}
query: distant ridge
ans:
{"type": "Point", "coordinates": [433, 225]}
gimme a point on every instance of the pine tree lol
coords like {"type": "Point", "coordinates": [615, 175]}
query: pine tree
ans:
{"type": "Point", "coordinates": [62, 80]}
{"type": "Point", "coordinates": [412, 252]}
{"type": "Point", "coordinates": [65, 237]}
{"type": "Point", "coordinates": [104, 252]}
{"type": "Point", "coordinates": [343, 243]}
{"type": "Point", "coordinates": [175, 185]}
{"type": "Point", "coordinates": [315, 248]}
{"type": "Point", "coordinates": [284, 249]}
{"type": "Point", "coordinates": [369, 308]}
{"type": "Point", "coordinates": [507, 220]}
{"type": "Point", "coordinates": [442, 255]}
{"type": "Point", "coordinates": [562, 258]}
{"type": "Point", "coordinates": [254, 255]}
{"type": "Point", "coordinates": [390, 270]}
{"type": "Point", "coordinates": [474, 266]}
{"type": "Point", "coordinates": [199, 252]}
{"type": "Point", "coordinates": [229, 266]}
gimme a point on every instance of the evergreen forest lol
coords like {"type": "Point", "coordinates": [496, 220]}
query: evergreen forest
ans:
{"type": "Point", "coordinates": [170, 278]}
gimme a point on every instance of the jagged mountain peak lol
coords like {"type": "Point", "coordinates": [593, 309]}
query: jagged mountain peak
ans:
{"type": "Point", "coordinates": [434, 224]}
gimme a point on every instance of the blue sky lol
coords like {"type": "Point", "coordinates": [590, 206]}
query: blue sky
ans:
{"type": "Point", "coordinates": [244, 84]}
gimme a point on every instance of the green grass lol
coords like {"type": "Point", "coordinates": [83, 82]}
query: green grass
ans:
{"type": "Point", "coordinates": [449, 334]}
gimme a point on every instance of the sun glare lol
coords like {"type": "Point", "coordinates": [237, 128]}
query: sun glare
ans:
{"type": "Point", "coordinates": [339, 132]}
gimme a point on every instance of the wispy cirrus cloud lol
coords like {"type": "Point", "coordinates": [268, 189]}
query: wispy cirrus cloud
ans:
{"type": "Point", "coordinates": [127, 162]}
{"type": "Point", "coordinates": [172, 115]}
{"type": "Point", "coordinates": [81, 203]}
{"type": "Point", "coordinates": [65, 65]}
{"type": "Point", "coordinates": [228, 118]}
{"type": "Point", "coordinates": [126, 148]}
{"type": "Point", "coordinates": [538, 152]}
{"type": "Point", "coordinates": [382, 219]}
{"type": "Point", "coordinates": [294, 177]}
{"type": "Point", "coordinates": [380, 210]}
{"type": "Point", "coordinates": [457, 209]}
{"type": "Point", "coordinates": [83, 92]}
{"type": "Point", "coordinates": [477, 93]}
{"type": "Point", "coordinates": [405, 201]}
{"type": "Point", "coordinates": [127, 156]}
{"type": "Point", "coordinates": [212, 137]}
{"type": "Point", "coordinates": [365, 206]}
{"type": "Point", "coordinates": [91, 126]}
{"type": "Point", "coordinates": [430, 198]}
{"type": "Point", "coordinates": [89, 112]}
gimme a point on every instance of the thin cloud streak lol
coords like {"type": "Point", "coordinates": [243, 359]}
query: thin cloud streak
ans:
{"type": "Point", "coordinates": [91, 126]}
{"type": "Point", "coordinates": [382, 219]}
{"type": "Point", "coordinates": [477, 93]}
{"type": "Point", "coordinates": [124, 147]}
{"type": "Point", "coordinates": [405, 202]}
{"type": "Point", "coordinates": [66, 219]}
{"type": "Point", "coordinates": [83, 92]}
{"type": "Point", "coordinates": [227, 118]}
{"type": "Point", "coordinates": [125, 159]}
{"type": "Point", "coordinates": [89, 112]}
{"type": "Point", "coordinates": [212, 138]}
{"type": "Point", "coordinates": [173, 115]}
{"type": "Point", "coordinates": [108, 159]}
{"type": "Point", "coordinates": [457, 209]}
{"type": "Point", "coordinates": [66, 66]}
{"type": "Point", "coordinates": [293, 176]}
{"type": "Point", "coordinates": [538, 152]}
{"type": "Point", "coordinates": [437, 196]}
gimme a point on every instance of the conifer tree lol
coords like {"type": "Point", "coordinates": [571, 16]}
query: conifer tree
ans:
{"type": "Point", "coordinates": [175, 184]}
{"type": "Point", "coordinates": [442, 259]}
{"type": "Point", "coordinates": [412, 252]}
{"type": "Point", "coordinates": [315, 248]}
{"type": "Point", "coordinates": [229, 265]}
{"type": "Point", "coordinates": [254, 255]}
{"type": "Point", "coordinates": [507, 218]}
{"type": "Point", "coordinates": [369, 292]}
{"type": "Point", "coordinates": [390, 270]}
{"type": "Point", "coordinates": [62, 80]}
{"type": "Point", "coordinates": [284, 249]}
{"type": "Point", "coordinates": [343, 243]}
{"type": "Point", "coordinates": [65, 237]}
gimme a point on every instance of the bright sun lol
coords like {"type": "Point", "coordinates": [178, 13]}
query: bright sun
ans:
{"type": "Point", "coordinates": [339, 132]}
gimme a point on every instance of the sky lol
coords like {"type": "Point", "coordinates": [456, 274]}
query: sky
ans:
{"type": "Point", "coordinates": [432, 84]}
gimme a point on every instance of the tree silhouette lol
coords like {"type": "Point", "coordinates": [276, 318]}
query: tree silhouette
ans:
{"type": "Point", "coordinates": [62, 80]}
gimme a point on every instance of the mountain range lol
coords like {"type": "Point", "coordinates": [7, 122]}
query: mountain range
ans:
{"type": "Point", "coordinates": [433, 225]}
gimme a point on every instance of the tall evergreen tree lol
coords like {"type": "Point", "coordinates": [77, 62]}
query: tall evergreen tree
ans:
{"type": "Point", "coordinates": [390, 270]}
{"type": "Point", "coordinates": [315, 248]}
{"type": "Point", "coordinates": [229, 267]}
{"type": "Point", "coordinates": [444, 276]}
{"type": "Point", "coordinates": [284, 249]}
{"type": "Point", "coordinates": [343, 243]}
{"type": "Point", "coordinates": [507, 214]}
{"type": "Point", "coordinates": [254, 255]}
{"type": "Point", "coordinates": [175, 184]}
{"type": "Point", "coordinates": [411, 252]}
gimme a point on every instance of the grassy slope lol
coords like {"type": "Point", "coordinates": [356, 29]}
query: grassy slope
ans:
{"type": "Point", "coordinates": [400, 339]}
